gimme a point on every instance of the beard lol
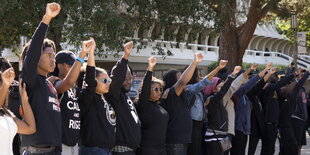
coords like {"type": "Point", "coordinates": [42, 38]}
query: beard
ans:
{"type": "Point", "coordinates": [125, 90]}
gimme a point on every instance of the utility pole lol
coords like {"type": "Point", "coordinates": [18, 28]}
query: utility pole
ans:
{"type": "Point", "coordinates": [294, 26]}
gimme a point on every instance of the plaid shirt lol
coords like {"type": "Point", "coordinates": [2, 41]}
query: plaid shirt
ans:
{"type": "Point", "coordinates": [118, 148]}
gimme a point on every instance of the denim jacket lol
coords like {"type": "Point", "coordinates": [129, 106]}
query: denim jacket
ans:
{"type": "Point", "coordinates": [197, 110]}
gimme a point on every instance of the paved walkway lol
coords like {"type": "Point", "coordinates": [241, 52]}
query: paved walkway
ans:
{"type": "Point", "coordinates": [304, 151]}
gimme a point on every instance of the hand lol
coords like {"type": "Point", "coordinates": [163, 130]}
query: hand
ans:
{"type": "Point", "coordinates": [236, 70]}
{"type": "Point", "coordinates": [198, 57]}
{"type": "Point", "coordinates": [52, 79]}
{"type": "Point", "coordinates": [22, 91]}
{"type": "Point", "coordinates": [8, 77]}
{"type": "Point", "coordinates": [152, 62]}
{"type": "Point", "coordinates": [128, 48]}
{"type": "Point", "coordinates": [273, 70]}
{"type": "Point", "coordinates": [86, 47]}
{"type": "Point", "coordinates": [93, 45]}
{"type": "Point", "coordinates": [269, 65]}
{"type": "Point", "coordinates": [223, 63]}
{"type": "Point", "coordinates": [254, 66]}
{"type": "Point", "coordinates": [52, 9]}
{"type": "Point", "coordinates": [299, 72]}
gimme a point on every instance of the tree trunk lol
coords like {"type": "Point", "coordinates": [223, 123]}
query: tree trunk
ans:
{"type": "Point", "coordinates": [230, 49]}
{"type": "Point", "coordinates": [57, 39]}
{"type": "Point", "coordinates": [1, 48]}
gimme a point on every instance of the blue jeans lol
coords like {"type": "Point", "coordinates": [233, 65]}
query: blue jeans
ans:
{"type": "Point", "coordinates": [176, 149]}
{"type": "Point", "coordinates": [83, 150]}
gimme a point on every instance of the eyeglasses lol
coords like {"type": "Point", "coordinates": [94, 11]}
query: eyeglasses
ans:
{"type": "Point", "coordinates": [104, 80]}
{"type": "Point", "coordinates": [157, 89]}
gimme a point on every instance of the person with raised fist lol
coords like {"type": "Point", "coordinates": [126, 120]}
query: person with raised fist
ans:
{"type": "Point", "coordinates": [243, 111]}
{"type": "Point", "coordinates": [154, 118]}
{"type": "Point", "coordinates": [67, 70]}
{"type": "Point", "coordinates": [9, 123]}
{"type": "Point", "coordinates": [217, 124]}
{"type": "Point", "coordinates": [98, 118]}
{"type": "Point", "coordinates": [195, 99]}
{"type": "Point", "coordinates": [271, 111]}
{"type": "Point", "coordinates": [128, 132]}
{"type": "Point", "coordinates": [179, 131]}
{"type": "Point", "coordinates": [38, 60]}
{"type": "Point", "coordinates": [256, 113]}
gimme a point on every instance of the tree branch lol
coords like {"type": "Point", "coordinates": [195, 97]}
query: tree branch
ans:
{"type": "Point", "coordinates": [249, 27]}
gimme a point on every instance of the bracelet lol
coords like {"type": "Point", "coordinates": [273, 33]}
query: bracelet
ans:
{"type": "Point", "coordinates": [80, 60]}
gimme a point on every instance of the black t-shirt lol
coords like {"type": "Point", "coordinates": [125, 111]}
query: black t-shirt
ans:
{"type": "Point", "coordinates": [98, 120]}
{"type": "Point", "coordinates": [179, 129]}
{"type": "Point", "coordinates": [42, 97]}
{"type": "Point", "coordinates": [154, 118]}
{"type": "Point", "coordinates": [70, 115]}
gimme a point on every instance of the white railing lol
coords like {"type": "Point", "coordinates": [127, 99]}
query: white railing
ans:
{"type": "Point", "coordinates": [183, 53]}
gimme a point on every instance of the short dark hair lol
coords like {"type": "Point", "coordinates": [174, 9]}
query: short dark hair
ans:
{"type": "Point", "coordinates": [170, 78]}
{"type": "Point", "coordinates": [46, 43]}
{"type": "Point", "coordinates": [195, 76]}
{"type": "Point", "coordinates": [4, 64]}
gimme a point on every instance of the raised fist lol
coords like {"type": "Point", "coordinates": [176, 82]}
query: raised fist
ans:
{"type": "Point", "coordinates": [223, 63]}
{"type": "Point", "coordinates": [236, 70]}
{"type": "Point", "coordinates": [254, 66]}
{"type": "Point", "coordinates": [198, 57]}
{"type": "Point", "coordinates": [152, 62]}
{"type": "Point", "coordinates": [269, 65]}
{"type": "Point", "coordinates": [86, 46]}
{"type": "Point", "coordinates": [299, 71]}
{"type": "Point", "coordinates": [273, 70]}
{"type": "Point", "coordinates": [128, 48]}
{"type": "Point", "coordinates": [8, 77]}
{"type": "Point", "coordinates": [52, 9]}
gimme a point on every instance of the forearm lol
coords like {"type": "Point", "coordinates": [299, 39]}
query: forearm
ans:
{"type": "Point", "coordinates": [213, 73]}
{"type": "Point", "coordinates": [33, 55]}
{"type": "Point", "coordinates": [91, 60]}
{"type": "Point", "coordinates": [188, 73]}
{"type": "Point", "coordinates": [263, 72]}
{"type": "Point", "coordinates": [71, 78]}
{"type": "Point", "coordinates": [247, 72]}
{"type": "Point", "coordinates": [146, 88]}
{"type": "Point", "coordinates": [46, 19]}
{"type": "Point", "coordinates": [28, 126]}
{"type": "Point", "coordinates": [266, 77]}
{"type": "Point", "coordinates": [185, 77]}
{"type": "Point", "coordinates": [3, 94]}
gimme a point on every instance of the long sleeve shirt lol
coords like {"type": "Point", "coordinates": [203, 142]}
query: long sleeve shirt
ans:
{"type": "Point", "coordinates": [197, 109]}
{"type": "Point", "coordinates": [270, 102]}
{"type": "Point", "coordinates": [154, 118]}
{"type": "Point", "coordinates": [128, 132]}
{"type": "Point", "coordinates": [243, 107]}
{"type": "Point", "coordinates": [229, 104]}
{"type": "Point", "coordinates": [256, 113]}
{"type": "Point", "coordinates": [217, 114]}
{"type": "Point", "coordinates": [42, 97]}
{"type": "Point", "coordinates": [98, 120]}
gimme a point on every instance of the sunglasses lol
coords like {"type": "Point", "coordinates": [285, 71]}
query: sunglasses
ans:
{"type": "Point", "coordinates": [157, 89]}
{"type": "Point", "coordinates": [104, 80]}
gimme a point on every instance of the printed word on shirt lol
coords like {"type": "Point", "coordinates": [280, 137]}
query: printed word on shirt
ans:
{"type": "Point", "coordinates": [53, 100]}
{"type": "Point", "coordinates": [110, 113]}
{"type": "Point", "coordinates": [133, 110]}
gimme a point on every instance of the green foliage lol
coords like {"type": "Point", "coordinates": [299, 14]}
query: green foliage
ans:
{"type": "Point", "coordinates": [302, 8]}
{"type": "Point", "coordinates": [281, 68]}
